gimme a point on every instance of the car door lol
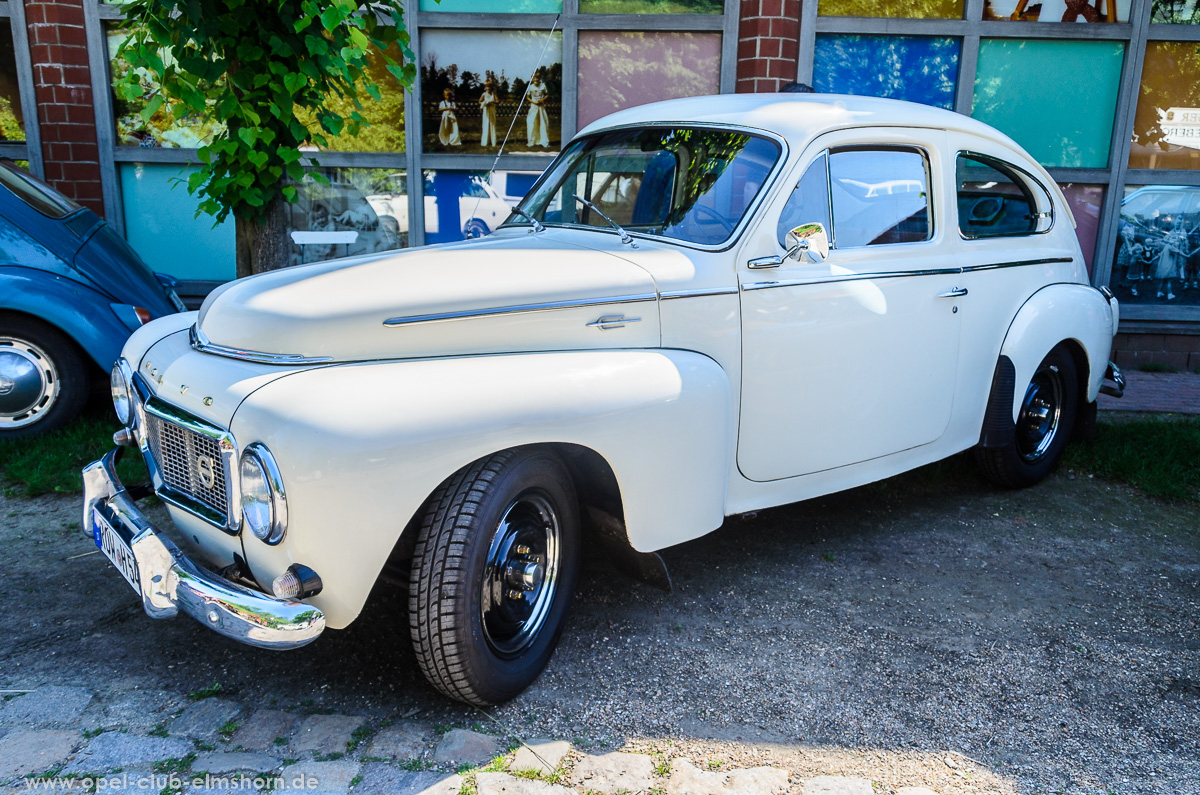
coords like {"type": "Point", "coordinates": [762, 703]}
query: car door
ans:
{"type": "Point", "coordinates": [854, 357]}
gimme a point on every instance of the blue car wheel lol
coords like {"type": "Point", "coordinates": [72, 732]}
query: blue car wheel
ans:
{"type": "Point", "coordinates": [43, 378]}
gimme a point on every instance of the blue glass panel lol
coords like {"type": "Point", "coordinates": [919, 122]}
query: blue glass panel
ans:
{"type": "Point", "coordinates": [161, 224]}
{"type": "Point", "coordinates": [917, 68]}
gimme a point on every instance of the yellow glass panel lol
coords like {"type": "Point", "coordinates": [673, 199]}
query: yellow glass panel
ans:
{"type": "Point", "coordinates": [1166, 127]}
{"type": "Point", "coordinates": [892, 9]}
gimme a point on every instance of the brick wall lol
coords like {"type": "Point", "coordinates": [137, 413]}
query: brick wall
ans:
{"type": "Point", "coordinates": [1178, 351]}
{"type": "Point", "coordinates": [63, 88]}
{"type": "Point", "coordinates": [768, 36]}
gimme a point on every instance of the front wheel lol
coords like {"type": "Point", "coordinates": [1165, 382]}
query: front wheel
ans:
{"type": "Point", "coordinates": [1043, 426]}
{"type": "Point", "coordinates": [493, 575]}
{"type": "Point", "coordinates": [43, 379]}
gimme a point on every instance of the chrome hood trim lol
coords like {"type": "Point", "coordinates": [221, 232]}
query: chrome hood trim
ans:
{"type": "Point", "coordinates": [201, 343]}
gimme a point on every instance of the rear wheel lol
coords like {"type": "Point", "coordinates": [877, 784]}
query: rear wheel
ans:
{"type": "Point", "coordinates": [1043, 426]}
{"type": "Point", "coordinates": [43, 378]}
{"type": "Point", "coordinates": [493, 575]}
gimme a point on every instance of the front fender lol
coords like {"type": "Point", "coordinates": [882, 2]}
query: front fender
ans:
{"type": "Point", "coordinates": [361, 446]}
{"type": "Point", "coordinates": [1054, 314]}
{"type": "Point", "coordinates": [82, 313]}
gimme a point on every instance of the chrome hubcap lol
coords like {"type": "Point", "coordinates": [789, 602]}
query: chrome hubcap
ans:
{"type": "Point", "coordinates": [28, 383]}
{"type": "Point", "coordinates": [1041, 410]}
{"type": "Point", "coordinates": [521, 574]}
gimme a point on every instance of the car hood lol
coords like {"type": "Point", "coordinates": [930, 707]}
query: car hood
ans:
{"type": "Point", "coordinates": [510, 292]}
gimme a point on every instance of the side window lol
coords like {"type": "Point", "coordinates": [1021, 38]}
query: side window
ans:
{"type": "Point", "coordinates": [880, 196]}
{"type": "Point", "coordinates": [993, 199]}
{"type": "Point", "coordinates": [809, 201]}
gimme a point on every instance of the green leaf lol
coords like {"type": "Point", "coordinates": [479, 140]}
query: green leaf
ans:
{"type": "Point", "coordinates": [259, 159]}
{"type": "Point", "coordinates": [331, 17]}
{"type": "Point", "coordinates": [359, 38]}
{"type": "Point", "coordinates": [248, 135]}
{"type": "Point", "coordinates": [289, 193]}
{"type": "Point", "coordinates": [152, 107]}
{"type": "Point", "coordinates": [196, 181]}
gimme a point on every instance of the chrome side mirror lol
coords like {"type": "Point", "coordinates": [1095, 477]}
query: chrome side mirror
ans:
{"type": "Point", "coordinates": [809, 240]}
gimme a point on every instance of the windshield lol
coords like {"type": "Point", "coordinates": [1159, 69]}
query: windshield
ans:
{"type": "Point", "coordinates": [684, 183]}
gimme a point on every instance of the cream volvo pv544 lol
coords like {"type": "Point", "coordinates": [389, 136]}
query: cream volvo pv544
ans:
{"type": "Point", "coordinates": [704, 307]}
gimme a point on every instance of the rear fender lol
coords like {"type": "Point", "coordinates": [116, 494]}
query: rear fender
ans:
{"type": "Point", "coordinates": [361, 447]}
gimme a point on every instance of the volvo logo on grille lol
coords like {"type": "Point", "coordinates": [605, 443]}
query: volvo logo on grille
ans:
{"type": "Point", "coordinates": [206, 468]}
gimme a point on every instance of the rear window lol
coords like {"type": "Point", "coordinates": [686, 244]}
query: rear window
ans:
{"type": "Point", "coordinates": [35, 193]}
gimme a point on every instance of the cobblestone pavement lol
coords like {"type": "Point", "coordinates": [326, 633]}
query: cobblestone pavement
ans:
{"type": "Point", "coordinates": [1175, 393]}
{"type": "Point", "coordinates": [924, 635]}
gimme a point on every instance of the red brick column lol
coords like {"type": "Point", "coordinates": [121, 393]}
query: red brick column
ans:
{"type": "Point", "coordinates": [768, 44]}
{"type": "Point", "coordinates": [63, 87]}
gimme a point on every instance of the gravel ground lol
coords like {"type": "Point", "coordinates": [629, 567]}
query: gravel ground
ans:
{"type": "Point", "coordinates": [925, 631]}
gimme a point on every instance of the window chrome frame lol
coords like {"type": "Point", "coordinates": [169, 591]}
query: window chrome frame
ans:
{"type": "Point", "coordinates": [988, 160]}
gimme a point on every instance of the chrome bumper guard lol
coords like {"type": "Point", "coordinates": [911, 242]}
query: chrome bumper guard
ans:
{"type": "Point", "coordinates": [170, 582]}
{"type": "Point", "coordinates": [1117, 387]}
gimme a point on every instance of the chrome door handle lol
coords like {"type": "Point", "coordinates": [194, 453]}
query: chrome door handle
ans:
{"type": "Point", "coordinates": [612, 321]}
{"type": "Point", "coordinates": [759, 263]}
{"type": "Point", "coordinates": [955, 293]}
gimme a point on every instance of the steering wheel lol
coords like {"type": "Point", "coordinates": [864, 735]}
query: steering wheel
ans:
{"type": "Point", "coordinates": [714, 216]}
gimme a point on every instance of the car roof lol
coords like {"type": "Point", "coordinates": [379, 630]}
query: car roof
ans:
{"type": "Point", "coordinates": [799, 117]}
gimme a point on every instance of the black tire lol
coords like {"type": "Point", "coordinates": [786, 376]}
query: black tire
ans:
{"type": "Point", "coordinates": [478, 545]}
{"type": "Point", "coordinates": [44, 379]}
{"type": "Point", "coordinates": [1043, 426]}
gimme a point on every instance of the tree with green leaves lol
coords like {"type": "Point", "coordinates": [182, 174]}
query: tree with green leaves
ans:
{"type": "Point", "coordinates": [282, 76]}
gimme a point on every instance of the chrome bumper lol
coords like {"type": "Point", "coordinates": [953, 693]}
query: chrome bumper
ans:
{"type": "Point", "coordinates": [1117, 387]}
{"type": "Point", "coordinates": [170, 582]}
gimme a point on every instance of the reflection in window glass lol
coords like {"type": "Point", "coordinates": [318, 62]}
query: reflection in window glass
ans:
{"type": "Point", "coordinates": [356, 213]}
{"type": "Point", "coordinates": [385, 129]}
{"type": "Point", "coordinates": [892, 9]}
{"type": "Point", "coordinates": [35, 193]}
{"type": "Point", "coordinates": [12, 120]}
{"type": "Point", "coordinates": [1027, 88]}
{"type": "Point", "coordinates": [1166, 126]}
{"type": "Point", "coordinates": [622, 70]}
{"type": "Point", "coordinates": [1178, 12]}
{"type": "Point", "coordinates": [492, 7]}
{"type": "Point", "coordinates": [1057, 10]}
{"type": "Point", "coordinates": [163, 129]}
{"type": "Point", "coordinates": [809, 202]}
{"type": "Point", "coordinates": [1158, 246]}
{"type": "Point", "coordinates": [917, 68]}
{"type": "Point", "coordinates": [477, 85]}
{"type": "Point", "coordinates": [1085, 202]}
{"type": "Point", "coordinates": [651, 6]}
{"type": "Point", "coordinates": [879, 197]}
{"type": "Point", "coordinates": [992, 200]}
{"type": "Point", "coordinates": [483, 202]}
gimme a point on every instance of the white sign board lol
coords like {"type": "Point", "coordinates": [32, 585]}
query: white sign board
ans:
{"type": "Point", "coordinates": [1180, 126]}
{"type": "Point", "coordinates": [323, 238]}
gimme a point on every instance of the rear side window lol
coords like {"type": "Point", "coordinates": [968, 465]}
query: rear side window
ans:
{"type": "Point", "coordinates": [880, 196]}
{"type": "Point", "coordinates": [35, 193]}
{"type": "Point", "coordinates": [995, 200]}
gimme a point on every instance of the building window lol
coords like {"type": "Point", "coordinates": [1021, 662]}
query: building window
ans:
{"type": "Point", "coordinates": [917, 68]}
{"type": "Point", "coordinates": [892, 9]}
{"type": "Point", "coordinates": [1166, 126]}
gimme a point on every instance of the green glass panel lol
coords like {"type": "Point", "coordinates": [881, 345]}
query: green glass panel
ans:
{"type": "Point", "coordinates": [492, 7]}
{"type": "Point", "coordinates": [1055, 98]}
{"type": "Point", "coordinates": [651, 6]}
{"type": "Point", "coordinates": [892, 9]}
{"type": "Point", "coordinates": [1177, 12]}
{"type": "Point", "coordinates": [1166, 125]}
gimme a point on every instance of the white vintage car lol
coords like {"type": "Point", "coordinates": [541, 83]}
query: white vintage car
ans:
{"type": "Point", "coordinates": [705, 307]}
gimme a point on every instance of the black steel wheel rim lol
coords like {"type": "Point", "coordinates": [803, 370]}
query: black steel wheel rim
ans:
{"type": "Point", "coordinates": [1041, 414]}
{"type": "Point", "coordinates": [520, 577]}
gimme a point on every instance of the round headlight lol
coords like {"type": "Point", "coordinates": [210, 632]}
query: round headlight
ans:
{"type": "Point", "coordinates": [264, 506]}
{"type": "Point", "coordinates": [120, 394]}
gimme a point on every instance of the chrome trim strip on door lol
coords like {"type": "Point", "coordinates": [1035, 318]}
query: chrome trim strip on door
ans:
{"type": "Point", "coordinates": [1048, 261]}
{"type": "Point", "coordinates": [518, 309]}
{"type": "Point", "coordinates": [857, 277]}
{"type": "Point", "coordinates": [697, 293]}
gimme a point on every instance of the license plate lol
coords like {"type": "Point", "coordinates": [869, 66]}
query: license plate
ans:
{"type": "Point", "coordinates": [116, 549]}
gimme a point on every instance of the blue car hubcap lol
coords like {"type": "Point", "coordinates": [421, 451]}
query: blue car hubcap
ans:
{"type": "Point", "coordinates": [28, 383]}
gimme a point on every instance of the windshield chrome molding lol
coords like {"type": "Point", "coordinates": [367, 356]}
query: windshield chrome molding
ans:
{"type": "Point", "coordinates": [518, 309]}
{"type": "Point", "coordinates": [698, 293]}
{"type": "Point", "coordinates": [858, 277]}
{"type": "Point", "coordinates": [201, 343]}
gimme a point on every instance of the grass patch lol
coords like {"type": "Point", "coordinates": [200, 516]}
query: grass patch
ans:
{"type": "Point", "coordinates": [205, 692]}
{"type": "Point", "coordinates": [52, 462]}
{"type": "Point", "coordinates": [177, 764]}
{"type": "Point", "coordinates": [1157, 455]}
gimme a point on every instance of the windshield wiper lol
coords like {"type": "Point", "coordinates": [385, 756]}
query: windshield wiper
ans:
{"type": "Point", "coordinates": [537, 225]}
{"type": "Point", "coordinates": [625, 238]}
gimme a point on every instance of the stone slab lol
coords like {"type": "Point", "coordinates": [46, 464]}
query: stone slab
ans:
{"type": "Point", "coordinates": [140, 711]}
{"type": "Point", "coordinates": [915, 791]}
{"type": "Point", "coordinates": [326, 734]}
{"type": "Point", "coordinates": [321, 778]}
{"type": "Point", "coordinates": [52, 705]}
{"type": "Point", "coordinates": [261, 729]}
{"type": "Point", "coordinates": [615, 773]}
{"type": "Point", "coordinates": [462, 746]}
{"type": "Point", "coordinates": [221, 763]}
{"type": "Point", "coordinates": [113, 750]}
{"type": "Point", "coordinates": [687, 779]}
{"type": "Point", "coordinates": [400, 741]}
{"type": "Point", "coordinates": [204, 719]}
{"type": "Point", "coordinates": [838, 785]}
{"type": "Point", "coordinates": [540, 756]}
{"type": "Point", "coordinates": [26, 751]}
{"type": "Point", "coordinates": [382, 779]}
{"type": "Point", "coordinates": [504, 784]}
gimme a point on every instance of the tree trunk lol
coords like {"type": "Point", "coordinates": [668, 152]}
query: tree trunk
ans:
{"type": "Point", "coordinates": [263, 244]}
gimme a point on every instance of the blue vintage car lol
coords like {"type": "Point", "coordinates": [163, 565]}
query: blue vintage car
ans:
{"type": "Point", "coordinates": [71, 293]}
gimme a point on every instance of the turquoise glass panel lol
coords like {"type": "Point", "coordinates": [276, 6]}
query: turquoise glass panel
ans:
{"type": "Point", "coordinates": [161, 224]}
{"type": "Point", "coordinates": [1056, 98]}
{"type": "Point", "coordinates": [917, 68]}
{"type": "Point", "coordinates": [492, 7]}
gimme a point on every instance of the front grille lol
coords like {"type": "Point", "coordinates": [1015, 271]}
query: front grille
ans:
{"type": "Point", "coordinates": [178, 452]}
